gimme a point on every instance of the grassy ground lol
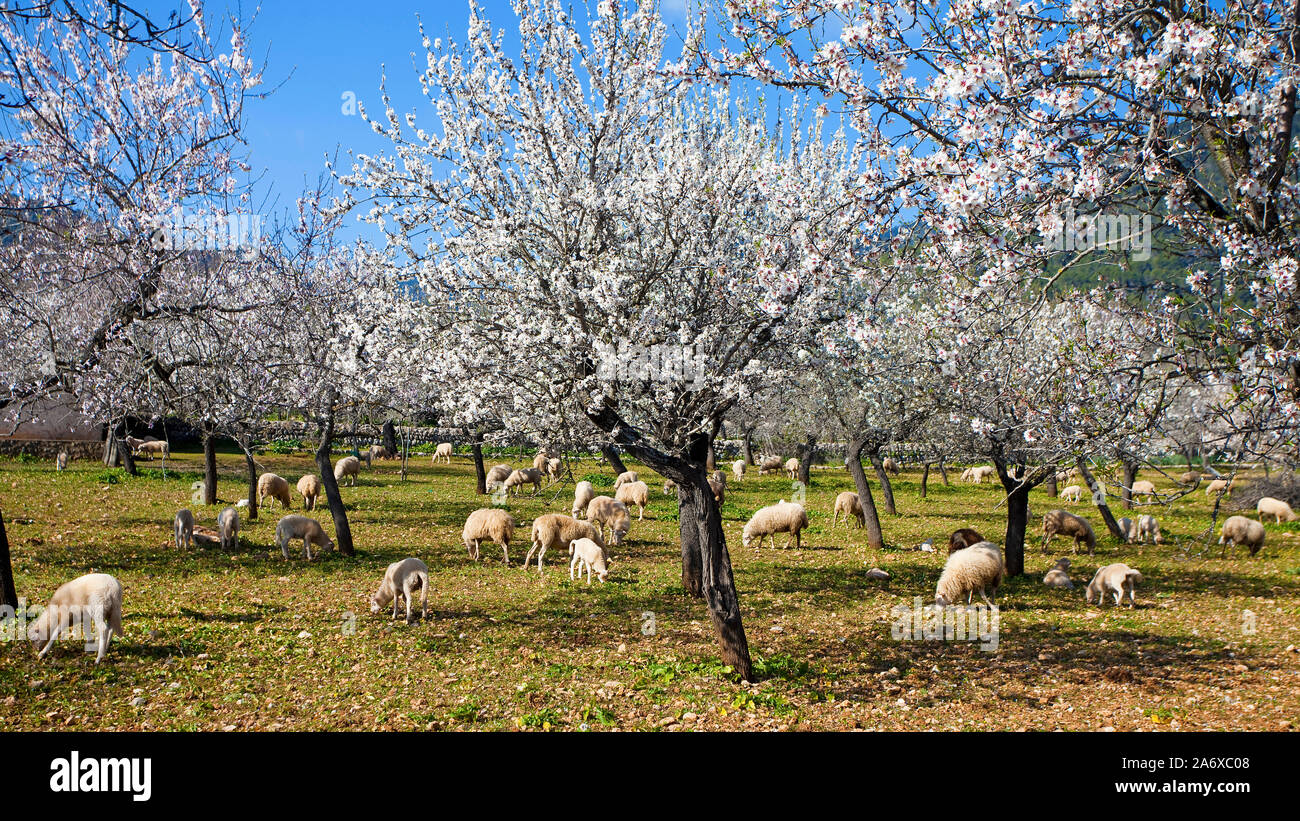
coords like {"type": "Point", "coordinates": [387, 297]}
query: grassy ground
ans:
{"type": "Point", "coordinates": [247, 641]}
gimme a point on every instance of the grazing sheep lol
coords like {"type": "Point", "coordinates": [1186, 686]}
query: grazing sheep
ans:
{"type": "Point", "coordinates": [977, 475]}
{"type": "Point", "coordinates": [183, 528]}
{"type": "Point", "coordinates": [349, 466]}
{"type": "Point", "coordinates": [1067, 524]}
{"type": "Point", "coordinates": [401, 580]}
{"type": "Point", "coordinates": [269, 484]}
{"type": "Point", "coordinates": [540, 460]}
{"type": "Point", "coordinates": [1238, 530]}
{"type": "Point", "coordinates": [301, 527]}
{"type": "Point", "coordinates": [1071, 493]}
{"type": "Point", "coordinates": [634, 493]}
{"type": "Point", "coordinates": [153, 447]}
{"type": "Point", "coordinates": [488, 524]}
{"type": "Point", "coordinates": [1149, 529]}
{"type": "Point", "coordinates": [555, 469]}
{"type": "Point", "coordinates": [133, 443]}
{"type": "Point", "coordinates": [1116, 578]}
{"type": "Point", "coordinates": [891, 466]}
{"type": "Point", "coordinates": [378, 452]}
{"type": "Point", "coordinates": [524, 476]}
{"type": "Point", "coordinates": [1059, 576]}
{"type": "Point", "coordinates": [1128, 529]}
{"type": "Point", "coordinates": [497, 475]}
{"type": "Point", "coordinates": [850, 505]}
{"type": "Point", "coordinates": [963, 538]}
{"type": "Point", "coordinates": [782, 517]}
{"type": "Point", "coordinates": [1142, 488]}
{"type": "Point", "coordinates": [604, 512]}
{"type": "Point", "coordinates": [719, 490]}
{"type": "Point", "coordinates": [738, 469]}
{"type": "Point", "coordinates": [586, 553]}
{"type": "Point", "coordinates": [309, 487]}
{"type": "Point", "coordinates": [96, 597]}
{"type": "Point", "coordinates": [977, 569]}
{"type": "Point", "coordinates": [61, 461]}
{"type": "Point", "coordinates": [669, 486]}
{"type": "Point", "coordinates": [228, 528]}
{"type": "Point", "coordinates": [1191, 477]}
{"type": "Point", "coordinates": [554, 530]}
{"type": "Point", "coordinates": [442, 452]}
{"type": "Point", "coordinates": [583, 493]}
{"type": "Point", "coordinates": [625, 477]}
{"type": "Point", "coordinates": [1278, 509]}
{"type": "Point", "coordinates": [792, 468]}
{"type": "Point", "coordinates": [1220, 484]}
{"type": "Point", "coordinates": [769, 464]}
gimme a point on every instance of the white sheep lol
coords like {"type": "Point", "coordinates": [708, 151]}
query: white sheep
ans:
{"type": "Point", "coordinates": [769, 464]}
{"type": "Point", "coordinates": [269, 484]}
{"type": "Point", "coordinates": [1067, 524]}
{"type": "Point", "coordinates": [792, 468]}
{"type": "Point", "coordinates": [61, 461]}
{"type": "Point", "coordinates": [1072, 493]}
{"type": "Point", "coordinates": [497, 475]}
{"type": "Point", "coordinates": [583, 493]}
{"type": "Point", "coordinates": [1149, 530]}
{"type": "Point", "coordinates": [977, 569]}
{"type": "Point", "coordinates": [294, 526]}
{"type": "Point", "coordinates": [738, 469]}
{"type": "Point", "coordinates": [401, 580]}
{"type": "Point", "coordinates": [625, 477]}
{"type": "Point", "coordinates": [442, 453]}
{"type": "Point", "coordinates": [524, 476]}
{"type": "Point", "coordinates": [1238, 530]}
{"type": "Point", "coordinates": [154, 446]}
{"type": "Point", "coordinates": [554, 530]}
{"type": "Point", "coordinates": [605, 512]}
{"type": "Point", "coordinates": [309, 487]}
{"type": "Point", "coordinates": [1278, 509]}
{"type": "Point", "coordinates": [378, 452]}
{"type": "Point", "coordinates": [1213, 488]}
{"type": "Point", "coordinates": [540, 460]}
{"type": "Point", "coordinates": [95, 597]}
{"type": "Point", "coordinates": [228, 528]}
{"type": "Point", "coordinates": [1142, 488]}
{"type": "Point", "coordinates": [555, 469]}
{"type": "Point", "coordinates": [586, 553]}
{"type": "Point", "coordinates": [850, 505]}
{"type": "Point", "coordinates": [977, 475]}
{"type": "Point", "coordinates": [782, 517]}
{"type": "Point", "coordinates": [1116, 579]}
{"type": "Point", "coordinates": [349, 466]}
{"type": "Point", "coordinates": [1128, 530]}
{"type": "Point", "coordinates": [488, 524]}
{"type": "Point", "coordinates": [183, 528]}
{"type": "Point", "coordinates": [634, 493]}
{"type": "Point", "coordinates": [891, 465]}
{"type": "Point", "coordinates": [1059, 575]}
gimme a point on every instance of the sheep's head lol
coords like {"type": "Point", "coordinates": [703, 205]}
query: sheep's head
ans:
{"type": "Point", "coordinates": [1092, 593]}
{"type": "Point", "coordinates": [940, 600]}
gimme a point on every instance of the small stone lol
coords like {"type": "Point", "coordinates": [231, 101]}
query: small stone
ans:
{"type": "Point", "coordinates": [304, 635]}
{"type": "Point", "coordinates": [139, 701]}
{"type": "Point", "coordinates": [622, 648]}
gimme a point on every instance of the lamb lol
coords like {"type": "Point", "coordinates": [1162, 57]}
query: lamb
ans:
{"type": "Point", "coordinates": [555, 469]}
{"type": "Point", "coordinates": [1278, 509]}
{"type": "Point", "coordinates": [586, 553]}
{"type": "Point", "coordinates": [583, 493]}
{"type": "Point", "coordinates": [401, 580]}
{"type": "Point", "coordinates": [1217, 485]}
{"type": "Point", "coordinates": [977, 475]}
{"type": "Point", "coordinates": [443, 452]}
{"type": "Point", "coordinates": [1116, 578]}
{"type": "Point", "coordinates": [1191, 477]}
{"type": "Point", "coordinates": [606, 512]}
{"type": "Point", "coordinates": [782, 517]}
{"type": "Point", "coordinates": [738, 469]}
{"type": "Point", "coordinates": [669, 486]}
{"type": "Point", "coordinates": [155, 446]}
{"type": "Point", "coordinates": [891, 466]}
{"type": "Point", "coordinates": [1128, 529]}
{"type": "Point", "coordinates": [183, 528]}
{"type": "Point", "coordinates": [133, 443]}
{"type": "Point", "coordinates": [978, 568]}
{"type": "Point", "coordinates": [1149, 528]}
{"type": "Point", "coordinates": [719, 490]}
{"type": "Point", "coordinates": [61, 461]}
{"type": "Point", "coordinates": [554, 530]}
{"type": "Point", "coordinates": [1238, 530]}
{"type": "Point", "coordinates": [1067, 524]}
{"type": "Point", "coordinates": [963, 538]}
{"type": "Point", "coordinates": [625, 477]}
{"type": "Point", "coordinates": [228, 528]}
{"type": "Point", "coordinates": [792, 468]}
{"type": "Point", "coordinates": [540, 460]}
{"type": "Point", "coordinates": [309, 487]}
{"type": "Point", "coordinates": [524, 476]}
{"type": "Point", "coordinates": [636, 493]}
{"type": "Point", "coordinates": [850, 505]}
{"type": "Point", "coordinates": [488, 524]}
{"type": "Point", "coordinates": [1072, 493]}
{"type": "Point", "coordinates": [769, 464]}
{"type": "Point", "coordinates": [498, 475]}
{"type": "Point", "coordinates": [378, 452]}
{"type": "Point", "coordinates": [1059, 576]}
{"type": "Point", "coordinates": [269, 484]}
{"type": "Point", "coordinates": [301, 527]}
{"type": "Point", "coordinates": [1142, 488]}
{"type": "Point", "coordinates": [349, 466]}
{"type": "Point", "coordinates": [96, 597]}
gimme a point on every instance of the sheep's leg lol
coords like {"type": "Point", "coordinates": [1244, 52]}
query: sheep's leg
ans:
{"type": "Point", "coordinates": [529, 557]}
{"type": "Point", "coordinates": [407, 596]}
{"type": "Point", "coordinates": [54, 634]}
{"type": "Point", "coordinates": [572, 564]}
{"type": "Point", "coordinates": [540, 554]}
{"type": "Point", "coordinates": [306, 547]}
{"type": "Point", "coordinates": [505, 551]}
{"type": "Point", "coordinates": [284, 548]}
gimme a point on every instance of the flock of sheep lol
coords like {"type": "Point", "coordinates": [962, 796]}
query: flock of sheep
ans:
{"type": "Point", "coordinates": [974, 564]}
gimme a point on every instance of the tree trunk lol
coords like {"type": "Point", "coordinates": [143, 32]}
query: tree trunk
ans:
{"type": "Point", "coordinates": [925, 479]}
{"type": "Point", "coordinates": [480, 473]}
{"type": "Point", "coordinates": [390, 437]}
{"type": "Point", "coordinates": [1013, 543]}
{"type": "Point", "coordinates": [943, 471]}
{"type": "Point", "coordinates": [875, 540]}
{"type": "Point", "coordinates": [209, 467]}
{"type": "Point", "coordinates": [342, 532]}
{"type": "Point", "coordinates": [116, 452]}
{"type": "Point", "coordinates": [1051, 484]}
{"type": "Point", "coordinates": [1099, 499]}
{"type": "Point", "coordinates": [747, 446]}
{"type": "Point", "coordinates": [806, 452]}
{"type": "Point", "coordinates": [251, 465]}
{"type": "Point", "coordinates": [885, 486]}
{"type": "Point", "coordinates": [8, 591]}
{"type": "Point", "coordinates": [1130, 476]}
{"type": "Point", "coordinates": [611, 455]}
{"type": "Point", "coordinates": [688, 515]}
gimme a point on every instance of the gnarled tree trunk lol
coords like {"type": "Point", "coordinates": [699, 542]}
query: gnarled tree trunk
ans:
{"type": "Point", "coordinates": [251, 465]}
{"type": "Point", "coordinates": [875, 539]}
{"type": "Point", "coordinates": [885, 486]}
{"type": "Point", "coordinates": [8, 591]}
{"type": "Point", "coordinates": [747, 446]}
{"type": "Point", "coordinates": [611, 455]}
{"type": "Point", "coordinates": [925, 479]}
{"type": "Point", "coordinates": [390, 437]}
{"type": "Point", "coordinates": [1013, 544]}
{"type": "Point", "coordinates": [1099, 499]}
{"type": "Point", "coordinates": [1130, 476]}
{"type": "Point", "coordinates": [480, 472]}
{"type": "Point", "coordinates": [806, 453]}
{"type": "Point", "coordinates": [209, 466]}
{"type": "Point", "coordinates": [342, 531]}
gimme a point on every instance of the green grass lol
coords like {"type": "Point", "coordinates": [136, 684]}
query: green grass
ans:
{"type": "Point", "coordinates": [246, 640]}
